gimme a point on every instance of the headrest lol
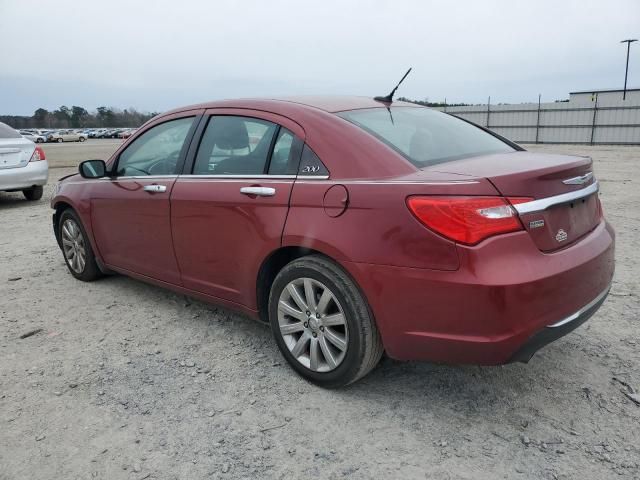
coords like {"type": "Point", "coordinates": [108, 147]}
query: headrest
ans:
{"type": "Point", "coordinates": [231, 133]}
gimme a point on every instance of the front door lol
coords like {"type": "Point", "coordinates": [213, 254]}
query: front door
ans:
{"type": "Point", "coordinates": [130, 211]}
{"type": "Point", "coordinates": [229, 214]}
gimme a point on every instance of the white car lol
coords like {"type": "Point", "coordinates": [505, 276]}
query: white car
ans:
{"type": "Point", "coordinates": [33, 136]}
{"type": "Point", "coordinates": [23, 166]}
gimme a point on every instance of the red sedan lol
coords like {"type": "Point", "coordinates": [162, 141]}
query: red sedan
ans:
{"type": "Point", "coordinates": [354, 226]}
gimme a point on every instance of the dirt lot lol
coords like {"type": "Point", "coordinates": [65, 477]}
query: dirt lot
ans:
{"type": "Point", "coordinates": [128, 381]}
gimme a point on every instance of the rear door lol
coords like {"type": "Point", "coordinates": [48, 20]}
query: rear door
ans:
{"type": "Point", "coordinates": [130, 211]}
{"type": "Point", "coordinates": [229, 208]}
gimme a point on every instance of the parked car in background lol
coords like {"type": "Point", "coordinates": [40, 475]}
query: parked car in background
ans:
{"type": "Point", "coordinates": [353, 226]}
{"type": "Point", "coordinates": [23, 166]}
{"type": "Point", "coordinates": [33, 136]}
{"type": "Point", "coordinates": [66, 136]}
{"type": "Point", "coordinates": [126, 133]}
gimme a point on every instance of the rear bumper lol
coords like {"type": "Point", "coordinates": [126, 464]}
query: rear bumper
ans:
{"type": "Point", "coordinates": [559, 329]}
{"type": "Point", "coordinates": [497, 307]}
{"type": "Point", "coordinates": [33, 174]}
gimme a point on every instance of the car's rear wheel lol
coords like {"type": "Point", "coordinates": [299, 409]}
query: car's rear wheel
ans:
{"type": "Point", "coordinates": [322, 324]}
{"type": "Point", "coordinates": [33, 193]}
{"type": "Point", "coordinates": [60, 140]}
{"type": "Point", "coordinates": [39, 140]}
{"type": "Point", "coordinates": [76, 248]}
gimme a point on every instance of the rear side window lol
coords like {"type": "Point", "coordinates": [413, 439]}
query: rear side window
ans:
{"type": "Point", "coordinates": [7, 132]}
{"type": "Point", "coordinates": [286, 154]}
{"type": "Point", "coordinates": [425, 137]}
{"type": "Point", "coordinates": [234, 146]}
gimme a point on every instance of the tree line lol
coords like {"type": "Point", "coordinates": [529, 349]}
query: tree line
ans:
{"type": "Point", "coordinates": [78, 117]}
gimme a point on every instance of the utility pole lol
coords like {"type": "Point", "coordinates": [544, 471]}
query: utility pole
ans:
{"type": "Point", "coordinates": [626, 70]}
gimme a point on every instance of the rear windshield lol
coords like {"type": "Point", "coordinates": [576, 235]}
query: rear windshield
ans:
{"type": "Point", "coordinates": [425, 137]}
{"type": "Point", "coordinates": [7, 132]}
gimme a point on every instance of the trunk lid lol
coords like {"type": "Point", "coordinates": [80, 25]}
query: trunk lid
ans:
{"type": "Point", "coordinates": [552, 225]}
{"type": "Point", "coordinates": [15, 152]}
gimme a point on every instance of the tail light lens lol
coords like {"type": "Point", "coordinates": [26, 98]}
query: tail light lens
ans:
{"type": "Point", "coordinates": [467, 220]}
{"type": "Point", "coordinates": [37, 155]}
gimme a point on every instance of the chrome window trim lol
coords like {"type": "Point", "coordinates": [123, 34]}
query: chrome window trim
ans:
{"type": "Point", "coordinates": [544, 203]}
{"type": "Point", "coordinates": [140, 177]}
{"type": "Point", "coordinates": [579, 313]}
{"type": "Point", "coordinates": [240, 177]}
{"type": "Point", "coordinates": [313, 177]}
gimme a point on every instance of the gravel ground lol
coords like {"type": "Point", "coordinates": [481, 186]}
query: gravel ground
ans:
{"type": "Point", "coordinates": [127, 381]}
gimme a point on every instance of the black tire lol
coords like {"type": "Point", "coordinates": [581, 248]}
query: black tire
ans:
{"type": "Point", "coordinates": [39, 140]}
{"type": "Point", "coordinates": [59, 140]}
{"type": "Point", "coordinates": [33, 193]}
{"type": "Point", "coordinates": [364, 345]}
{"type": "Point", "coordinates": [90, 270]}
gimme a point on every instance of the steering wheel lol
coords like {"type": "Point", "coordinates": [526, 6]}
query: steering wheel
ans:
{"type": "Point", "coordinates": [166, 166]}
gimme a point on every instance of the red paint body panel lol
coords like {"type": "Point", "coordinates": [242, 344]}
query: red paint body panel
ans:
{"type": "Point", "coordinates": [432, 298]}
{"type": "Point", "coordinates": [132, 227]}
{"type": "Point", "coordinates": [504, 291]}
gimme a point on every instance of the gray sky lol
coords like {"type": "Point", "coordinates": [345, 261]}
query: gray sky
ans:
{"type": "Point", "coordinates": [156, 55]}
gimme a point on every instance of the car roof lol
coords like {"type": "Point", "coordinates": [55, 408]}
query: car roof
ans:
{"type": "Point", "coordinates": [327, 103]}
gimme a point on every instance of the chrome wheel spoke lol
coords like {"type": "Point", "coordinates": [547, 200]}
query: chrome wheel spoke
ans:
{"type": "Point", "coordinates": [325, 298]}
{"type": "Point", "coordinates": [335, 339]}
{"type": "Point", "coordinates": [300, 345]}
{"type": "Point", "coordinates": [314, 357]}
{"type": "Point", "coordinates": [310, 294]}
{"type": "Point", "coordinates": [327, 353]}
{"type": "Point", "coordinates": [290, 328]}
{"type": "Point", "coordinates": [334, 320]}
{"type": "Point", "coordinates": [287, 309]}
{"type": "Point", "coordinates": [295, 295]}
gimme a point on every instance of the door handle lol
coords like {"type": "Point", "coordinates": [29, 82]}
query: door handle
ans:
{"type": "Point", "coordinates": [155, 188]}
{"type": "Point", "coordinates": [258, 191]}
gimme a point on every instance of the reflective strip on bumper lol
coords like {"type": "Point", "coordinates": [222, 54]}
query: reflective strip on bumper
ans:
{"type": "Point", "coordinates": [579, 313]}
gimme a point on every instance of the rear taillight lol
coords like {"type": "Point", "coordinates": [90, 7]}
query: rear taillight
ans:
{"type": "Point", "coordinates": [37, 155]}
{"type": "Point", "coordinates": [467, 220]}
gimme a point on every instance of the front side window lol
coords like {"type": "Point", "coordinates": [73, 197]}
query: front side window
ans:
{"type": "Point", "coordinates": [234, 146]}
{"type": "Point", "coordinates": [425, 137]}
{"type": "Point", "coordinates": [156, 151]}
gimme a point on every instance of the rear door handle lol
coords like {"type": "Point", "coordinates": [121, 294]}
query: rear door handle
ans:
{"type": "Point", "coordinates": [259, 191]}
{"type": "Point", "coordinates": [155, 188]}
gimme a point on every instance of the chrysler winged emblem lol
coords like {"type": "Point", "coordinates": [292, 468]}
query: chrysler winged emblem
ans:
{"type": "Point", "coordinates": [561, 236]}
{"type": "Point", "coordinates": [582, 179]}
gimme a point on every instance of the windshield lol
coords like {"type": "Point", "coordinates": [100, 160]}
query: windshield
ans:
{"type": "Point", "coordinates": [425, 137]}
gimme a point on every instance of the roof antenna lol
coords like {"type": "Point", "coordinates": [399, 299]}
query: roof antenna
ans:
{"type": "Point", "coordinates": [389, 98]}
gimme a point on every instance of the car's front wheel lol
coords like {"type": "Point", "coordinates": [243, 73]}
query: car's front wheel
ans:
{"type": "Point", "coordinates": [81, 139]}
{"type": "Point", "coordinates": [322, 324]}
{"type": "Point", "coordinates": [59, 140]}
{"type": "Point", "coordinates": [33, 193]}
{"type": "Point", "coordinates": [76, 248]}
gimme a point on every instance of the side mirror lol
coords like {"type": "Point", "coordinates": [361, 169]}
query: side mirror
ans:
{"type": "Point", "coordinates": [93, 169]}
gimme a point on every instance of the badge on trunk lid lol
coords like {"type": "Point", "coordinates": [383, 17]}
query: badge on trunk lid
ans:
{"type": "Point", "coordinates": [536, 224]}
{"type": "Point", "coordinates": [561, 236]}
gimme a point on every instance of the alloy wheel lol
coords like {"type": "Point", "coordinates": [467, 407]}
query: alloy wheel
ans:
{"type": "Point", "coordinates": [313, 324]}
{"type": "Point", "coordinates": [73, 246]}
